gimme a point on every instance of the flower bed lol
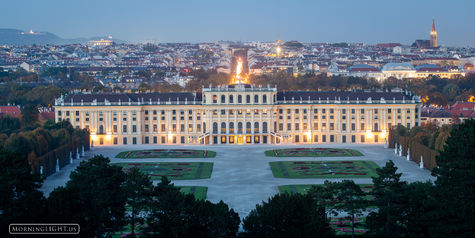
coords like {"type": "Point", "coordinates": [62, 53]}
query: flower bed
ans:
{"type": "Point", "coordinates": [174, 171]}
{"type": "Point", "coordinates": [323, 169]}
{"type": "Point", "coordinates": [342, 226]}
{"type": "Point", "coordinates": [303, 188]}
{"type": "Point", "coordinates": [312, 152]}
{"type": "Point", "coordinates": [166, 153]}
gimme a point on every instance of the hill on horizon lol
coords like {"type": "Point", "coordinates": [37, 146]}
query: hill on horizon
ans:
{"type": "Point", "coordinates": [18, 37]}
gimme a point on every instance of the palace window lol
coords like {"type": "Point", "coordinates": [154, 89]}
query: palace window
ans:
{"type": "Point", "coordinates": [223, 127]}
{"type": "Point", "coordinates": [231, 127]}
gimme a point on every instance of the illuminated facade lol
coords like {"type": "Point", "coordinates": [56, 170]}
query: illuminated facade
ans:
{"type": "Point", "coordinates": [239, 114]}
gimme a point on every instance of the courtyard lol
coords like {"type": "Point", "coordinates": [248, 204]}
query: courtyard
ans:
{"type": "Point", "coordinates": [241, 175]}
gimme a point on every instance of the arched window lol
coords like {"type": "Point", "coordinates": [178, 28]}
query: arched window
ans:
{"type": "Point", "coordinates": [223, 99]}
{"type": "Point", "coordinates": [239, 98]}
{"type": "Point", "coordinates": [256, 127]}
{"type": "Point", "coordinates": [248, 127]}
{"type": "Point", "coordinates": [204, 98]}
{"type": "Point", "coordinates": [215, 99]}
{"type": "Point", "coordinates": [204, 127]}
{"type": "Point", "coordinates": [248, 99]}
{"type": "Point", "coordinates": [239, 127]}
{"type": "Point", "coordinates": [215, 127]}
{"type": "Point", "coordinates": [264, 98]}
{"type": "Point", "coordinates": [101, 129]}
{"type": "Point", "coordinates": [256, 99]}
{"type": "Point", "coordinates": [264, 127]}
{"type": "Point", "coordinates": [223, 127]}
{"type": "Point", "coordinates": [231, 127]}
{"type": "Point", "coordinates": [231, 99]}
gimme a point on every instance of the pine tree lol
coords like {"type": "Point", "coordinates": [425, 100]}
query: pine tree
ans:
{"type": "Point", "coordinates": [389, 198]}
{"type": "Point", "coordinates": [456, 182]}
{"type": "Point", "coordinates": [138, 189]}
{"type": "Point", "coordinates": [287, 215]}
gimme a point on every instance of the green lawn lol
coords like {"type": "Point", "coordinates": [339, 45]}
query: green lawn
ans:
{"type": "Point", "coordinates": [166, 153]}
{"type": "Point", "coordinates": [312, 152]}
{"type": "Point", "coordinates": [198, 191]}
{"type": "Point", "coordinates": [323, 169]}
{"type": "Point", "coordinates": [303, 188]}
{"type": "Point", "coordinates": [173, 170]}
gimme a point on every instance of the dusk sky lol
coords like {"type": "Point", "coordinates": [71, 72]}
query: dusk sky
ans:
{"type": "Point", "coordinates": [367, 21]}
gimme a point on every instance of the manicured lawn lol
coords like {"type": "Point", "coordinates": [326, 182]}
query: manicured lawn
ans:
{"type": "Point", "coordinates": [166, 153]}
{"type": "Point", "coordinates": [198, 191]}
{"type": "Point", "coordinates": [303, 188]}
{"type": "Point", "coordinates": [323, 169]}
{"type": "Point", "coordinates": [174, 171]}
{"type": "Point", "coordinates": [312, 152]}
{"type": "Point", "coordinates": [342, 226]}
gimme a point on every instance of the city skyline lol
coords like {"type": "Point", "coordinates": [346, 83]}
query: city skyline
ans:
{"type": "Point", "coordinates": [370, 22]}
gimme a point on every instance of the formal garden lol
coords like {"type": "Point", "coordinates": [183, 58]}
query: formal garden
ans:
{"type": "Point", "coordinates": [313, 152]}
{"type": "Point", "coordinates": [323, 169]}
{"type": "Point", "coordinates": [166, 153]}
{"type": "Point", "coordinates": [342, 226]}
{"type": "Point", "coordinates": [304, 188]}
{"type": "Point", "coordinates": [173, 170]}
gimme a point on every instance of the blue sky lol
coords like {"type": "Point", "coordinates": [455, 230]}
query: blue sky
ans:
{"type": "Point", "coordinates": [367, 21]}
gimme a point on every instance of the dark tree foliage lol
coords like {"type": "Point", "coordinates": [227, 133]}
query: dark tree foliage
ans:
{"type": "Point", "coordinates": [389, 198]}
{"type": "Point", "coordinates": [287, 215]}
{"type": "Point", "coordinates": [29, 115]}
{"type": "Point", "coordinates": [455, 184]}
{"type": "Point", "coordinates": [349, 198]}
{"type": "Point", "coordinates": [93, 197]}
{"type": "Point", "coordinates": [138, 188]}
{"type": "Point", "coordinates": [174, 214]}
{"type": "Point", "coordinates": [420, 204]}
{"type": "Point", "coordinates": [20, 200]}
{"type": "Point", "coordinates": [9, 124]}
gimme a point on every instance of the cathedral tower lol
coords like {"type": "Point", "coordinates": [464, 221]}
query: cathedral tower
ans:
{"type": "Point", "coordinates": [433, 35]}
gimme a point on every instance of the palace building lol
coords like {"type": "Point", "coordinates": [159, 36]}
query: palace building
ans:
{"type": "Point", "coordinates": [239, 114]}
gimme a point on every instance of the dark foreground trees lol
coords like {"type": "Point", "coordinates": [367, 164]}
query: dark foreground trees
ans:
{"type": "Point", "coordinates": [287, 215]}
{"type": "Point", "coordinates": [93, 197]}
{"type": "Point", "coordinates": [455, 184]}
{"type": "Point", "coordinates": [174, 214]}
{"type": "Point", "coordinates": [20, 200]}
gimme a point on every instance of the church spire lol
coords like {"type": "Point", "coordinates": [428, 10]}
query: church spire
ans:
{"type": "Point", "coordinates": [433, 35]}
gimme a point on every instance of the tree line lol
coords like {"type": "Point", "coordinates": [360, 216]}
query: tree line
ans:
{"type": "Point", "coordinates": [39, 138]}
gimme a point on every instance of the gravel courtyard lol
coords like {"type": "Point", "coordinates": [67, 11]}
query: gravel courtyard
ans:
{"type": "Point", "coordinates": [241, 175]}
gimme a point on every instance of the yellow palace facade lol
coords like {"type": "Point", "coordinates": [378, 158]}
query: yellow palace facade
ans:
{"type": "Point", "coordinates": [239, 114]}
